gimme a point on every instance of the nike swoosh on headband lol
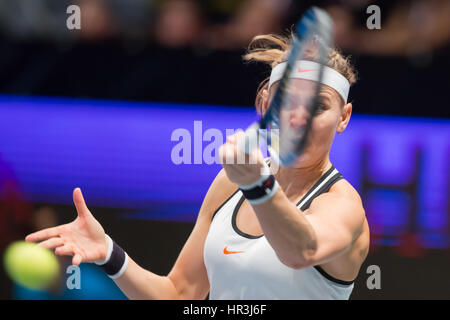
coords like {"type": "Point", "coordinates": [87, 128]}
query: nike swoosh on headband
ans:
{"type": "Point", "coordinates": [331, 77]}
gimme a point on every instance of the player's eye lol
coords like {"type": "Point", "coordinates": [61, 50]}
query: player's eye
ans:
{"type": "Point", "coordinates": [321, 107]}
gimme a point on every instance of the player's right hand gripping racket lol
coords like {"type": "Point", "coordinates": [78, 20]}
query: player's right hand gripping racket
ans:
{"type": "Point", "coordinates": [286, 123]}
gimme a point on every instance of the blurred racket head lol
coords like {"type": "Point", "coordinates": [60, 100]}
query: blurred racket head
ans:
{"type": "Point", "coordinates": [296, 101]}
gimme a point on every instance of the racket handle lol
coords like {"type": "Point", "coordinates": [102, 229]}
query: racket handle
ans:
{"type": "Point", "coordinates": [250, 140]}
{"type": "Point", "coordinates": [274, 156]}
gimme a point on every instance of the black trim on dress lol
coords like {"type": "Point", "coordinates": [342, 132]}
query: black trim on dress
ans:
{"type": "Point", "coordinates": [313, 188]}
{"type": "Point", "coordinates": [223, 203]}
{"type": "Point", "coordinates": [331, 278]}
{"type": "Point", "coordinates": [234, 224]}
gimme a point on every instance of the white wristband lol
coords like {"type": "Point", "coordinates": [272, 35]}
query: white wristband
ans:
{"type": "Point", "coordinates": [108, 252]}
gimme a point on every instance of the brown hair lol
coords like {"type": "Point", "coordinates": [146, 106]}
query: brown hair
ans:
{"type": "Point", "coordinates": [273, 49]}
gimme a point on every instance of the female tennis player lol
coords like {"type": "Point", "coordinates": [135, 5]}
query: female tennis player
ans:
{"type": "Point", "coordinates": [300, 233]}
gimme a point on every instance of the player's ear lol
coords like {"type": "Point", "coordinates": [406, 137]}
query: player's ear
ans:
{"type": "Point", "coordinates": [345, 117]}
{"type": "Point", "coordinates": [265, 101]}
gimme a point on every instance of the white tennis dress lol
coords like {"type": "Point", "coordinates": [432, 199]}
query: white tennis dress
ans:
{"type": "Point", "coordinates": [242, 266]}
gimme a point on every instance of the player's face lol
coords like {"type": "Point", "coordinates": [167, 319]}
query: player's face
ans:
{"type": "Point", "coordinates": [329, 118]}
{"type": "Point", "coordinates": [295, 113]}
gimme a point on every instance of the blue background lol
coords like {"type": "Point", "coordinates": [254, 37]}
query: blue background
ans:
{"type": "Point", "coordinates": [119, 153]}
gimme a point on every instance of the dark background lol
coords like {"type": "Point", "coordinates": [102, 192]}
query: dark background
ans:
{"type": "Point", "coordinates": [108, 70]}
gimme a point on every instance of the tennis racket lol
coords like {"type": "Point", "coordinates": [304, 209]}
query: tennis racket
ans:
{"type": "Point", "coordinates": [286, 124]}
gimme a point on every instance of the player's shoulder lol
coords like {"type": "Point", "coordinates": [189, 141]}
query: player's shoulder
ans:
{"type": "Point", "coordinates": [219, 191]}
{"type": "Point", "coordinates": [222, 187]}
{"type": "Point", "coordinates": [344, 190]}
{"type": "Point", "coordinates": [344, 196]}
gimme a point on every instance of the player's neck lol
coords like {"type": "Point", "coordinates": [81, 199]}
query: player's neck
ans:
{"type": "Point", "coordinates": [297, 181]}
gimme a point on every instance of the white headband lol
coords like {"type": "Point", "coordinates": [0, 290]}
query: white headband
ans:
{"type": "Point", "coordinates": [308, 70]}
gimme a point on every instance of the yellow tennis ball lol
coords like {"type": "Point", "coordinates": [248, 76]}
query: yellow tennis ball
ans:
{"type": "Point", "coordinates": [30, 265]}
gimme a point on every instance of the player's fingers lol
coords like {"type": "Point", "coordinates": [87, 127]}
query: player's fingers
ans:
{"type": "Point", "coordinates": [227, 154]}
{"type": "Point", "coordinates": [65, 250]}
{"type": "Point", "coordinates": [51, 243]}
{"type": "Point", "coordinates": [43, 234]}
{"type": "Point", "coordinates": [235, 137]}
{"type": "Point", "coordinates": [80, 204]}
{"type": "Point", "coordinates": [239, 134]}
{"type": "Point", "coordinates": [77, 259]}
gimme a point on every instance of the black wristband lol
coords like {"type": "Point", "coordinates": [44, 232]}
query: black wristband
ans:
{"type": "Point", "coordinates": [261, 192]}
{"type": "Point", "coordinates": [117, 262]}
